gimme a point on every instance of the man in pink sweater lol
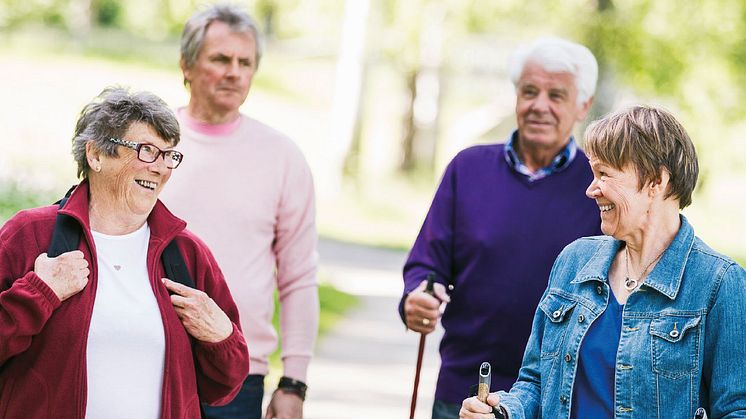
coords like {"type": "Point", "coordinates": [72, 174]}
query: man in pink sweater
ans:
{"type": "Point", "coordinates": [247, 191]}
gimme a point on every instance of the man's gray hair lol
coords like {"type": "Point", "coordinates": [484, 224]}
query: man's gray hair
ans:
{"type": "Point", "coordinates": [110, 115]}
{"type": "Point", "coordinates": [237, 19]}
{"type": "Point", "coordinates": [556, 55]}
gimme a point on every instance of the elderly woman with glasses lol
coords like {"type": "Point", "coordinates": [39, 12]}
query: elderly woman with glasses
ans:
{"type": "Point", "coordinates": [93, 332]}
{"type": "Point", "coordinates": [645, 322]}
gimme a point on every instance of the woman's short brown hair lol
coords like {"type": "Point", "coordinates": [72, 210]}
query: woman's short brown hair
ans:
{"type": "Point", "coordinates": [651, 140]}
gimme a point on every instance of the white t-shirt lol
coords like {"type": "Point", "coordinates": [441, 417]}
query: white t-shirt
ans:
{"type": "Point", "coordinates": [126, 341]}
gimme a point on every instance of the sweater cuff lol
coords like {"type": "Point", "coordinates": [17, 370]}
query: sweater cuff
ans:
{"type": "Point", "coordinates": [214, 347]}
{"type": "Point", "coordinates": [37, 284]}
{"type": "Point", "coordinates": [296, 367]}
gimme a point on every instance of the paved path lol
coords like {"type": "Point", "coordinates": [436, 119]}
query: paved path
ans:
{"type": "Point", "coordinates": [364, 368]}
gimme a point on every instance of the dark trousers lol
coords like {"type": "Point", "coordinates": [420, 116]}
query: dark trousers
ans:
{"type": "Point", "coordinates": [443, 410]}
{"type": "Point", "coordinates": [246, 405]}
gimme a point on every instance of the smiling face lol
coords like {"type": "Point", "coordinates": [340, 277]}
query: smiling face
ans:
{"type": "Point", "coordinates": [625, 209]}
{"type": "Point", "coordinates": [546, 107]}
{"type": "Point", "coordinates": [221, 76]}
{"type": "Point", "coordinates": [126, 184]}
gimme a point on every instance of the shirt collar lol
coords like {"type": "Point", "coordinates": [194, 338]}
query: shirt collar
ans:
{"type": "Point", "coordinates": [667, 274]}
{"type": "Point", "coordinates": [560, 162]}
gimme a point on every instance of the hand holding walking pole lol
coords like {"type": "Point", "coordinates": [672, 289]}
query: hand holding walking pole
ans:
{"type": "Point", "coordinates": [420, 351]}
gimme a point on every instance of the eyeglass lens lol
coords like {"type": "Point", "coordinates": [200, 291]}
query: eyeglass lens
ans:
{"type": "Point", "coordinates": [148, 153]}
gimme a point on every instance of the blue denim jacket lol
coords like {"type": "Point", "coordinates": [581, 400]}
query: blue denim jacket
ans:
{"type": "Point", "coordinates": [683, 339]}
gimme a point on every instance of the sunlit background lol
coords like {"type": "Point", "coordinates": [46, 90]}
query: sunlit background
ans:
{"type": "Point", "coordinates": [380, 95]}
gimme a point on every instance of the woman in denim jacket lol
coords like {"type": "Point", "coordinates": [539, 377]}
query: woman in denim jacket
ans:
{"type": "Point", "coordinates": [646, 323]}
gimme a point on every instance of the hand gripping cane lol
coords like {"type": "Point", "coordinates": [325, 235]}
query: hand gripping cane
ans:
{"type": "Point", "coordinates": [420, 351]}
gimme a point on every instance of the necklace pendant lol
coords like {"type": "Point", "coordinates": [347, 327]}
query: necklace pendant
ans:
{"type": "Point", "coordinates": [630, 284]}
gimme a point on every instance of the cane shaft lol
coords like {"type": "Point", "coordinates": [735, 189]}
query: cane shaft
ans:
{"type": "Point", "coordinates": [420, 353]}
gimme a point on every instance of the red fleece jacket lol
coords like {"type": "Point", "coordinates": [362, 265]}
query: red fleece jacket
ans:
{"type": "Point", "coordinates": [43, 340]}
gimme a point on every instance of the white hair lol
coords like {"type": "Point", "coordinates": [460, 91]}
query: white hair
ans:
{"type": "Point", "coordinates": [557, 55]}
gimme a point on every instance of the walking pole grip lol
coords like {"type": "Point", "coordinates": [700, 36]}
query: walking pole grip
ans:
{"type": "Point", "coordinates": [429, 288]}
{"type": "Point", "coordinates": [700, 413]}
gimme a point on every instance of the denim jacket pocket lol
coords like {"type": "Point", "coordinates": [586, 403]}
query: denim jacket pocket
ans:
{"type": "Point", "coordinates": [675, 345]}
{"type": "Point", "coordinates": [557, 310]}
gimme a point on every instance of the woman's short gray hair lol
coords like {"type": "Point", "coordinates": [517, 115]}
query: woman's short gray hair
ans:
{"type": "Point", "coordinates": [237, 19]}
{"type": "Point", "coordinates": [651, 140]}
{"type": "Point", "coordinates": [557, 55]}
{"type": "Point", "coordinates": [110, 115]}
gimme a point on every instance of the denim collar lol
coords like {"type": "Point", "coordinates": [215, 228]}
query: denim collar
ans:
{"type": "Point", "coordinates": [666, 275]}
{"type": "Point", "coordinates": [560, 162]}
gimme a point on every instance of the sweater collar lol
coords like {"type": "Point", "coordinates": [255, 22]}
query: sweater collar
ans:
{"type": "Point", "coordinates": [204, 128]}
{"type": "Point", "coordinates": [559, 163]}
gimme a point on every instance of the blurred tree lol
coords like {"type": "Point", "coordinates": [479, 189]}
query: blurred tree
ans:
{"type": "Point", "coordinates": [266, 11]}
{"type": "Point", "coordinates": [415, 30]}
{"type": "Point", "coordinates": [107, 13]}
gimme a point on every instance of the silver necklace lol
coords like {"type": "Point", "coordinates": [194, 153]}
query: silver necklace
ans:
{"type": "Point", "coordinates": [630, 284]}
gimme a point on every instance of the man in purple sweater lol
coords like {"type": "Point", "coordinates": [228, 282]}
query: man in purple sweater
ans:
{"type": "Point", "coordinates": [500, 217]}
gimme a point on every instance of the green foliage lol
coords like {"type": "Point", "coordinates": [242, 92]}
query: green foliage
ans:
{"type": "Point", "coordinates": [108, 13]}
{"type": "Point", "coordinates": [16, 12]}
{"type": "Point", "coordinates": [15, 196]}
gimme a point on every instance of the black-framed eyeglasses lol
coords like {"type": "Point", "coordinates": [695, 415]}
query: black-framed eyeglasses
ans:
{"type": "Point", "coordinates": [148, 153]}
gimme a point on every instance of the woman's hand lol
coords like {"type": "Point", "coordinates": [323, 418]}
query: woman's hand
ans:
{"type": "Point", "coordinates": [200, 315]}
{"type": "Point", "coordinates": [472, 408]}
{"type": "Point", "coordinates": [66, 275]}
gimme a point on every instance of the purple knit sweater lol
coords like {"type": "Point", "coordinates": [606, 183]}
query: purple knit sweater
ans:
{"type": "Point", "coordinates": [494, 235]}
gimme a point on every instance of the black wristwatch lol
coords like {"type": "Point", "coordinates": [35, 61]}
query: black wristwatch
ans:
{"type": "Point", "coordinates": [289, 385]}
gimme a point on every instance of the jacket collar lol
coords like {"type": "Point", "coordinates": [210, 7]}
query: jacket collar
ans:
{"type": "Point", "coordinates": [164, 226]}
{"type": "Point", "coordinates": [667, 274]}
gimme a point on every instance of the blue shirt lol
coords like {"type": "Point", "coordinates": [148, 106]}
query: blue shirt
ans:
{"type": "Point", "coordinates": [593, 396]}
{"type": "Point", "coordinates": [561, 161]}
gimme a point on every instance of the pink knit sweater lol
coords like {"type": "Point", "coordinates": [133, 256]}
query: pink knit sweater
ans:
{"type": "Point", "coordinates": [247, 191]}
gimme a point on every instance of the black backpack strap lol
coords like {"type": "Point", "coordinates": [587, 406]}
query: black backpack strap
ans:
{"type": "Point", "coordinates": [173, 263]}
{"type": "Point", "coordinates": [67, 232]}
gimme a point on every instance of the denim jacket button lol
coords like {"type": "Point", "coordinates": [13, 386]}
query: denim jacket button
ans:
{"type": "Point", "coordinates": [563, 399]}
{"type": "Point", "coordinates": [581, 318]}
{"type": "Point", "coordinates": [599, 290]}
{"type": "Point", "coordinates": [556, 314]}
{"type": "Point", "coordinates": [674, 334]}
{"type": "Point", "coordinates": [568, 357]}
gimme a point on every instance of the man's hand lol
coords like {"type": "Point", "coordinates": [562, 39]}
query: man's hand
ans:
{"type": "Point", "coordinates": [472, 408]}
{"type": "Point", "coordinates": [422, 310]}
{"type": "Point", "coordinates": [66, 275]}
{"type": "Point", "coordinates": [201, 316]}
{"type": "Point", "coordinates": [284, 406]}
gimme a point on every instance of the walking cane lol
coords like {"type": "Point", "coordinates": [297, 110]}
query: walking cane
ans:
{"type": "Point", "coordinates": [420, 352]}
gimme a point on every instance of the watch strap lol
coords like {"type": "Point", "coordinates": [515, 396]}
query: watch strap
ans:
{"type": "Point", "coordinates": [292, 386]}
